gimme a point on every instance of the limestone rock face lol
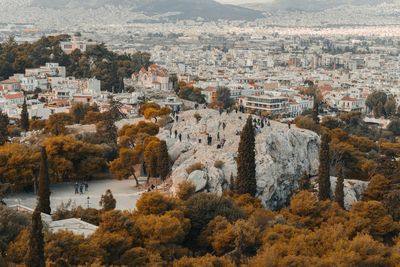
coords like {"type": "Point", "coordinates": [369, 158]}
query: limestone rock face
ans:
{"type": "Point", "coordinates": [353, 191]}
{"type": "Point", "coordinates": [199, 180]}
{"type": "Point", "coordinates": [282, 154]}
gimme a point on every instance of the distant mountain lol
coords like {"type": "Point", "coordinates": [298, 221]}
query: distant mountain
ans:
{"type": "Point", "coordinates": [184, 9]}
{"type": "Point", "coordinates": [311, 5]}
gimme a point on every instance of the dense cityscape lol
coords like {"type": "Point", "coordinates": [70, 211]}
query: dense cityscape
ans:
{"type": "Point", "coordinates": [199, 133]}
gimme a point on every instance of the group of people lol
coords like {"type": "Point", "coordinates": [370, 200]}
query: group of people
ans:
{"type": "Point", "coordinates": [80, 188]}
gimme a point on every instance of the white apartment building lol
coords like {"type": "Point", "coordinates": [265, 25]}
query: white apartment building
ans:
{"type": "Point", "coordinates": [273, 104]}
{"type": "Point", "coordinates": [76, 43]}
{"type": "Point", "coordinates": [348, 104]}
{"type": "Point", "coordinates": [49, 70]}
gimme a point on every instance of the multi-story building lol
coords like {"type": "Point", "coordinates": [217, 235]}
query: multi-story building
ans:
{"type": "Point", "coordinates": [348, 104]}
{"type": "Point", "coordinates": [154, 77]}
{"type": "Point", "coordinates": [76, 43]}
{"type": "Point", "coordinates": [49, 70]}
{"type": "Point", "coordinates": [268, 103]}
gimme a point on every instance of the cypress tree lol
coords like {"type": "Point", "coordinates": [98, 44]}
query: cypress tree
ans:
{"type": "Point", "coordinates": [44, 184]}
{"type": "Point", "coordinates": [304, 182]}
{"type": "Point", "coordinates": [164, 166]}
{"type": "Point", "coordinates": [35, 257]}
{"type": "Point", "coordinates": [4, 122]}
{"type": "Point", "coordinates": [232, 183]}
{"type": "Point", "coordinates": [339, 191]}
{"type": "Point", "coordinates": [25, 117]}
{"type": "Point", "coordinates": [324, 183]}
{"type": "Point", "coordinates": [246, 162]}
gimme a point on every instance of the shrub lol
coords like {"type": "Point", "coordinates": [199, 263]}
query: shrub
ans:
{"type": "Point", "coordinates": [307, 123]}
{"type": "Point", "coordinates": [186, 189]}
{"type": "Point", "coordinates": [36, 125]}
{"type": "Point", "coordinates": [197, 116]}
{"type": "Point", "coordinates": [218, 164]}
{"type": "Point", "coordinates": [198, 166]}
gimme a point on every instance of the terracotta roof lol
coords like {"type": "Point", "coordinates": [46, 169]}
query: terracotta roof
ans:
{"type": "Point", "coordinates": [14, 96]}
{"type": "Point", "coordinates": [9, 81]}
{"type": "Point", "coordinates": [83, 96]}
{"type": "Point", "coordinates": [348, 98]}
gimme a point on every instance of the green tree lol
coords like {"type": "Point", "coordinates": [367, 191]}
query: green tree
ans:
{"type": "Point", "coordinates": [108, 201]}
{"type": "Point", "coordinates": [57, 122]}
{"type": "Point", "coordinates": [25, 117]}
{"type": "Point", "coordinates": [164, 162]}
{"type": "Point", "coordinates": [35, 257]}
{"type": "Point", "coordinates": [304, 182]}
{"type": "Point", "coordinates": [44, 184]}
{"type": "Point", "coordinates": [394, 127]}
{"type": "Point", "coordinates": [339, 191]}
{"type": "Point", "coordinates": [4, 122]}
{"type": "Point", "coordinates": [246, 162]}
{"type": "Point", "coordinates": [376, 103]}
{"type": "Point", "coordinates": [324, 184]}
{"type": "Point", "coordinates": [390, 107]}
{"type": "Point", "coordinates": [378, 188]}
{"type": "Point", "coordinates": [224, 97]}
{"type": "Point", "coordinates": [107, 128]}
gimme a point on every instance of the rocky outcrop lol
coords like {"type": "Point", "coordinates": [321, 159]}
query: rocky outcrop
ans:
{"type": "Point", "coordinates": [282, 154]}
{"type": "Point", "coordinates": [353, 190]}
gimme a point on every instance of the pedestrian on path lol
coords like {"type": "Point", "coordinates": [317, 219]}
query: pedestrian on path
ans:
{"type": "Point", "coordinates": [76, 188]}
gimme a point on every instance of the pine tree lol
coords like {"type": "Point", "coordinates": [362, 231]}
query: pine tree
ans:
{"type": "Point", "coordinates": [44, 184]}
{"type": "Point", "coordinates": [107, 127]}
{"type": "Point", "coordinates": [324, 184]}
{"type": "Point", "coordinates": [246, 163]}
{"type": "Point", "coordinates": [35, 257]}
{"type": "Point", "coordinates": [25, 117]}
{"type": "Point", "coordinates": [339, 191]}
{"type": "Point", "coordinates": [4, 122]}
{"type": "Point", "coordinates": [164, 166]}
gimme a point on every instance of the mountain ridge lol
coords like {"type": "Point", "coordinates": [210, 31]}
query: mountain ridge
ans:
{"type": "Point", "coordinates": [184, 9]}
{"type": "Point", "coordinates": [310, 5]}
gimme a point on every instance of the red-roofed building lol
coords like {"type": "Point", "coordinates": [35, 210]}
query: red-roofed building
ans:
{"type": "Point", "coordinates": [10, 85]}
{"type": "Point", "coordinates": [348, 104]}
{"type": "Point", "coordinates": [154, 77]}
{"type": "Point", "coordinates": [16, 98]}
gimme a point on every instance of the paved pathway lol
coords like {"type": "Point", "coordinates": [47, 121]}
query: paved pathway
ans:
{"type": "Point", "coordinates": [124, 192]}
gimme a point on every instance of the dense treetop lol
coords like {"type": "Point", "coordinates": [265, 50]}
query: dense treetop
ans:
{"type": "Point", "coordinates": [97, 61]}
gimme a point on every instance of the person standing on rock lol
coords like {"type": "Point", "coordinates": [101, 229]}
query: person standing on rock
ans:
{"type": "Point", "coordinates": [176, 133]}
{"type": "Point", "coordinates": [180, 137]}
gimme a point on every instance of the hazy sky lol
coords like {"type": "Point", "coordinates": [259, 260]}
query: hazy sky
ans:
{"type": "Point", "coordinates": [243, 1]}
